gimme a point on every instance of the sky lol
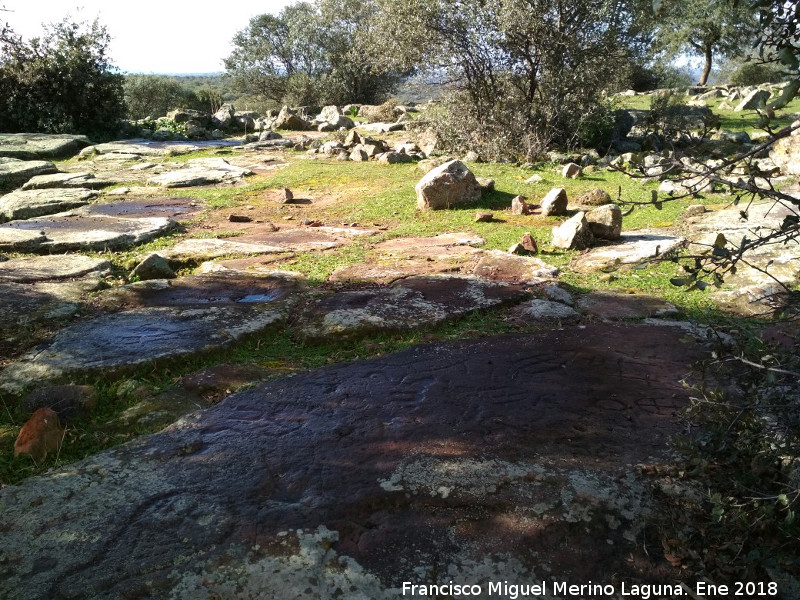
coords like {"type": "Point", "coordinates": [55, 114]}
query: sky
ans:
{"type": "Point", "coordinates": [149, 36]}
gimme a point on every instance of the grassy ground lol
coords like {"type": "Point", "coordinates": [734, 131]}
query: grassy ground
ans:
{"type": "Point", "coordinates": [375, 195]}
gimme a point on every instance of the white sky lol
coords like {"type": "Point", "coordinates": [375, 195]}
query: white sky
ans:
{"type": "Point", "coordinates": [149, 36]}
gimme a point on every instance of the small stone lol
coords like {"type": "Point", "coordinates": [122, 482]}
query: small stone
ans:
{"type": "Point", "coordinates": [571, 171]}
{"type": "Point", "coordinates": [40, 435]}
{"type": "Point", "coordinates": [519, 206]}
{"type": "Point", "coordinates": [555, 203]}
{"type": "Point", "coordinates": [483, 217]}
{"type": "Point", "coordinates": [517, 249]}
{"type": "Point", "coordinates": [529, 243]}
{"type": "Point", "coordinates": [154, 266]}
{"type": "Point", "coordinates": [239, 219]}
{"type": "Point", "coordinates": [534, 179]}
{"type": "Point", "coordinates": [695, 210]}
{"type": "Point", "coordinates": [487, 185]}
{"type": "Point", "coordinates": [286, 196]}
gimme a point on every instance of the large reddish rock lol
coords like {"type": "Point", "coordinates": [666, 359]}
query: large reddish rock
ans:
{"type": "Point", "coordinates": [448, 185]}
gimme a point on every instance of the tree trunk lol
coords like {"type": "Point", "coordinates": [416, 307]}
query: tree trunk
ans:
{"type": "Point", "coordinates": [707, 68]}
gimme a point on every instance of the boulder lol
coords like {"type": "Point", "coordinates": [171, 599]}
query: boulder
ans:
{"type": "Point", "coordinates": [571, 171]}
{"type": "Point", "coordinates": [605, 221]}
{"type": "Point", "coordinates": [753, 100]}
{"type": "Point", "coordinates": [288, 120]}
{"type": "Point", "coordinates": [573, 234]}
{"type": "Point", "coordinates": [68, 401]}
{"type": "Point", "coordinates": [448, 185]}
{"type": "Point", "coordinates": [329, 114]}
{"type": "Point", "coordinates": [223, 117]}
{"type": "Point", "coordinates": [33, 146]}
{"type": "Point", "coordinates": [154, 266]}
{"type": "Point", "coordinates": [595, 197]}
{"type": "Point", "coordinates": [555, 203]}
{"type": "Point", "coordinates": [519, 206]}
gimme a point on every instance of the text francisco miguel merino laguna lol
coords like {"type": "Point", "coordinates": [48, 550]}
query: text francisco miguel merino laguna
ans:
{"type": "Point", "coordinates": [514, 591]}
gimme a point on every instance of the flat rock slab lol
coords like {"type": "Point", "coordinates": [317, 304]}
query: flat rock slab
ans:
{"type": "Point", "coordinates": [615, 306]}
{"type": "Point", "coordinates": [76, 231]}
{"type": "Point", "coordinates": [31, 146]}
{"type": "Point", "coordinates": [135, 148]}
{"type": "Point", "coordinates": [15, 172]}
{"type": "Point", "coordinates": [404, 244]}
{"type": "Point", "coordinates": [27, 204]}
{"type": "Point", "coordinates": [114, 342]}
{"type": "Point", "coordinates": [497, 265]}
{"type": "Point", "coordinates": [427, 260]}
{"type": "Point", "coordinates": [24, 304]}
{"type": "Point", "coordinates": [508, 458]}
{"type": "Point", "coordinates": [200, 171]}
{"type": "Point", "coordinates": [299, 240]}
{"type": "Point", "coordinates": [201, 249]}
{"type": "Point", "coordinates": [47, 268]}
{"type": "Point", "coordinates": [215, 289]}
{"type": "Point", "coordinates": [257, 265]}
{"type": "Point", "coordinates": [66, 180]}
{"type": "Point", "coordinates": [546, 311]}
{"type": "Point", "coordinates": [174, 208]}
{"type": "Point", "coordinates": [632, 248]}
{"type": "Point", "coordinates": [408, 304]}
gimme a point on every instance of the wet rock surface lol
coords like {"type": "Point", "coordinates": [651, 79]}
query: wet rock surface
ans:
{"type": "Point", "coordinates": [504, 458]}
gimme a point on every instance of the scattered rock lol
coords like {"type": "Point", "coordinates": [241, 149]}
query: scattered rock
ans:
{"type": "Point", "coordinates": [154, 266]}
{"type": "Point", "coordinates": [545, 310]}
{"type": "Point", "coordinates": [534, 179]}
{"type": "Point", "coordinates": [554, 204]}
{"type": "Point", "coordinates": [449, 185]}
{"type": "Point", "coordinates": [605, 221]}
{"type": "Point", "coordinates": [70, 402]}
{"type": "Point", "coordinates": [571, 171]}
{"type": "Point", "coordinates": [595, 197]}
{"type": "Point", "coordinates": [753, 100]}
{"type": "Point", "coordinates": [519, 206]}
{"type": "Point", "coordinates": [41, 434]}
{"type": "Point", "coordinates": [239, 219]}
{"type": "Point", "coordinates": [487, 185]}
{"type": "Point", "coordinates": [483, 217]}
{"type": "Point", "coordinates": [695, 210]}
{"type": "Point", "coordinates": [558, 294]}
{"type": "Point", "coordinates": [529, 243]}
{"type": "Point", "coordinates": [573, 234]}
{"type": "Point", "coordinates": [286, 196]}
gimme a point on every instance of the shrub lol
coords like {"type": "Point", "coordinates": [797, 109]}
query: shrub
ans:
{"type": "Point", "coordinates": [753, 73]}
{"type": "Point", "coordinates": [61, 82]}
{"type": "Point", "coordinates": [154, 96]}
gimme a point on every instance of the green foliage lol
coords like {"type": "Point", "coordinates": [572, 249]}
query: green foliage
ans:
{"type": "Point", "coordinates": [525, 73]}
{"type": "Point", "coordinates": [754, 73]}
{"type": "Point", "coordinates": [743, 452]}
{"type": "Point", "coordinates": [62, 82]}
{"type": "Point", "coordinates": [704, 28]}
{"type": "Point", "coordinates": [309, 54]}
{"type": "Point", "coordinates": [154, 96]}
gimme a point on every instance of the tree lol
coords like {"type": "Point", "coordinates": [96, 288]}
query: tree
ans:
{"type": "Point", "coordinates": [309, 54]}
{"type": "Point", "coordinates": [154, 96]}
{"type": "Point", "coordinates": [525, 73]}
{"type": "Point", "coordinates": [706, 28]}
{"type": "Point", "coordinates": [62, 82]}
